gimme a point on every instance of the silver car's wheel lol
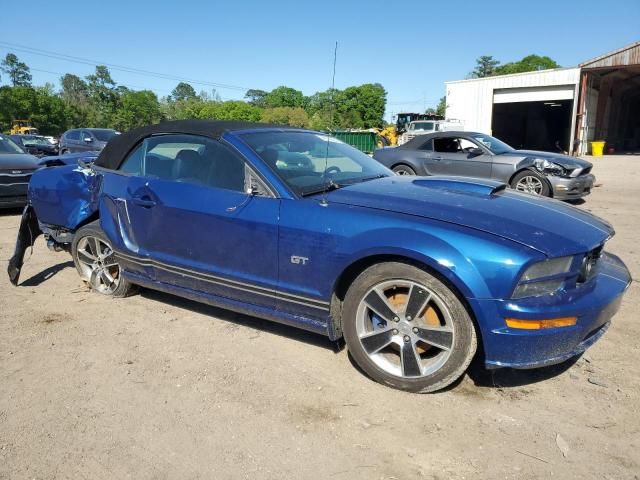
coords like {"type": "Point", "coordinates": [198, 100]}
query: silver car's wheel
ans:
{"type": "Point", "coordinates": [98, 264]}
{"type": "Point", "coordinates": [530, 184]}
{"type": "Point", "coordinates": [403, 170]}
{"type": "Point", "coordinates": [405, 328]}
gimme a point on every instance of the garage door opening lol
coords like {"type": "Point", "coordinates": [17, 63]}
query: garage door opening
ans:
{"type": "Point", "coordinates": [613, 106]}
{"type": "Point", "coordinates": [540, 125]}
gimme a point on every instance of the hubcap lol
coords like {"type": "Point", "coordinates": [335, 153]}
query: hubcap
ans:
{"type": "Point", "coordinates": [401, 171]}
{"type": "Point", "coordinates": [405, 328]}
{"type": "Point", "coordinates": [98, 264]}
{"type": "Point", "coordinates": [530, 184]}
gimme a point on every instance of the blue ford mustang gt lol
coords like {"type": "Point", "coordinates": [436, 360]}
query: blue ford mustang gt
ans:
{"type": "Point", "coordinates": [415, 273]}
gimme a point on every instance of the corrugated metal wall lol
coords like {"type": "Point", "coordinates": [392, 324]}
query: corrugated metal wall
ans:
{"type": "Point", "coordinates": [471, 101]}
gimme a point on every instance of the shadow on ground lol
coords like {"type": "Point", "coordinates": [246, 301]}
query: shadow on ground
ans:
{"type": "Point", "coordinates": [45, 275]}
{"type": "Point", "coordinates": [244, 320]}
{"type": "Point", "coordinates": [509, 377]}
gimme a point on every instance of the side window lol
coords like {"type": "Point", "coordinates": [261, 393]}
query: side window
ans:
{"type": "Point", "coordinates": [188, 159]}
{"type": "Point", "coordinates": [428, 146]}
{"type": "Point", "coordinates": [466, 145]}
{"type": "Point", "coordinates": [73, 135]}
{"type": "Point", "coordinates": [84, 134]}
{"type": "Point", "coordinates": [446, 145]}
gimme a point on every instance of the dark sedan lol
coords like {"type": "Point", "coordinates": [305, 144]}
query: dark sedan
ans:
{"type": "Point", "coordinates": [472, 154]}
{"type": "Point", "coordinates": [35, 145]}
{"type": "Point", "coordinates": [16, 168]}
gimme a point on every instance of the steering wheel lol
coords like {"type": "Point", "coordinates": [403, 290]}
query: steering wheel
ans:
{"type": "Point", "coordinates": [332, 170]}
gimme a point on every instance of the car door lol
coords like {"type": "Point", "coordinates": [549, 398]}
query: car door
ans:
{"type": "Point", "coordinates": [459, 156]}
{"type": "Point", "coordinates": [202, 230]}
{"type": "Point", "coordinates": [86, 141]}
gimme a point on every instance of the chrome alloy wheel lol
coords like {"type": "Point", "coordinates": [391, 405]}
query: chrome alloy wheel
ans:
{"type": "Point", "coordinates": [405, 328]}
{"type": "Point", "coordinates": [98, 264]}
{"type": "Point", "coordinates": [530, 184]}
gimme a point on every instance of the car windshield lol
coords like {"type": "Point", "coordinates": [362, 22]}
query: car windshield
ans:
{"type": "Point", "coordinates": [496, 146]}
{"type": "Point", "coordinates": [33, 140]}
{"type": "Point", "coordinates": [104, 135]}
{"type": "Point", "coordinates": [312, 162]}
{"type": "Point", "coordinates": [422, 126]}
{"type": "Point", "coordinates": [7, 146]}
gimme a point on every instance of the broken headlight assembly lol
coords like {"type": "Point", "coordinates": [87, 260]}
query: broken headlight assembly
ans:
{"type": "Point", "coordinates": [545, 166]}
{"type": "Point", "coordinates": [543, 278]}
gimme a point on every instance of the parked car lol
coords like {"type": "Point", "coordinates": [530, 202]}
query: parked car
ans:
{"type": "Point", "coordinates": [35, 145]}
{"type": "Point", "coordinates": [478, 155]}
{"type": "Point", "coordinates": [297, 227]}
{"type": "Point", "coordinates": [16, 168]}
{"type": "Point", "coordinates": [69, 159]}
{"type": "Point", "coordinates": [423, 127]}
{"type": "Point", "coordinates": [85, 139]}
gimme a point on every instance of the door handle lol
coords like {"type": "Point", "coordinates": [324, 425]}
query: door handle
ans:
{"type": "Point", "coordinates": [437, 158]}
{"type": "Point", "coordinates": [145, 201]}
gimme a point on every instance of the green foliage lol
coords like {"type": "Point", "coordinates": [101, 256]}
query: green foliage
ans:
{"type": "Point", "coordinates": [295, 117]}
{"type": "Point", "coordinates": [441, 109]}
{"type": "Point", "coordinates": [18, 71]}
{"type": "Point", "coordinates": [530, 63]}
{"type": "Point", "coordinates": [183, 91]}
{"type": "Point", "coordinates": [98, 101]}
{"type": "Point", "coordinates": [486, 66]}
{"type": "Point", "coordinates": [137, 109]}
{"type": "Point", "coordinates": [284, 97]}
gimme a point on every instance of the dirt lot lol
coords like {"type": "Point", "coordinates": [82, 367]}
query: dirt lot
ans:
{"type": "Point", "coordinates": [154, 387]}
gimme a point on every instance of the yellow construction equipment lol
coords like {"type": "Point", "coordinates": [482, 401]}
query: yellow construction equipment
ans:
{"type": "Point", "coordinates": [23, 127]}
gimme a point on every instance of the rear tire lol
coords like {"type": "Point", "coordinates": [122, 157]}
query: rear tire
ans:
{"type": "Point", "coordinates": [407, 329]}
{"type": "Point", "coordinates": [96, 263]}
{"type": "Point", "coordinates": [403, 169]}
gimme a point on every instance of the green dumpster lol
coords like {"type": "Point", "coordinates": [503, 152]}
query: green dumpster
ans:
{"type": "Point", "coordinates": [362, 140]}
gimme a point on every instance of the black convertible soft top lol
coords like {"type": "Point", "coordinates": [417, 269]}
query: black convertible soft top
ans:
{"type": "Point", "coordinates": [120, 145]}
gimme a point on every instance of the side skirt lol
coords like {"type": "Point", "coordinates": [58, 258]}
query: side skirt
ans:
{"type": "Point", "coordinates": [309, 324]}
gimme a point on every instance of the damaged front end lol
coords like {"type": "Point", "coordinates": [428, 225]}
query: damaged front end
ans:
{"type": "Point", "coordinates": [61, 199]}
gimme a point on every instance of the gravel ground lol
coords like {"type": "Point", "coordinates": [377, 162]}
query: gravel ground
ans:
{"type": "Point", "coordinates": [155, 387]}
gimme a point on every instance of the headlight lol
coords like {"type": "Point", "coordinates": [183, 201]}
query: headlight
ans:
{"type": "Point", "coordinates": [543, 278]}
{"type": "Point", "coordinates": [546, 166]}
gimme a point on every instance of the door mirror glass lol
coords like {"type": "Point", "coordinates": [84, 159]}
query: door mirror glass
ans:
{"type": "Point", "coordinates": [88, 139]}
{"type": "Point", "coordinates": [475, 151]}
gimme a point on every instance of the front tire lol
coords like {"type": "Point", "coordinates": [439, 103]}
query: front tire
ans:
{"type": "Point", "coordinates": [407, 329]}
{"type": "Point", "coordinates": [530, 181]}
{"type": "Point", "coordinates": [96, 263]}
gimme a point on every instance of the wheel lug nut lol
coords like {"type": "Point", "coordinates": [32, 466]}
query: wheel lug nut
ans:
{"type": "Point", "coordinates": [409, 317]}
{"type": "Point", "coordinates": [396, 319]}
{"type": "Point", "coordinates": [407, 338]}
{"type": "Point", "coordinates": [395, 331]}
{"type": "Point", "coordinates": [415, 329]}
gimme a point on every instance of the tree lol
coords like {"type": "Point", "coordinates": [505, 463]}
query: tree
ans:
{"type": "Point", "coordinates": [485, 67]}
{"type": "Point", "coordinates": [41, 105]}
{"type": "Point", "coordinates": [256, 97]}
{"type": "Point", "coordinates": [284, 97]}
{"type": "Point", "coordinates": [361, 106]}
{"type": "Point", "coordinates": [137, 109]}
{"type": "Point", "coordinates": [295, 117]}
{"type": "Point", "coordinates": [530, 63]}
{"type": "Point", "coordinates": [183, 91]}
{"type": "Point", "coordinates": [18, 71]}
{"type": "Point", "coordinates": [441, 109]}
{"type": "Point", "coordinates": [103, 97]}
{"type": "Point", "coordinates": [230, 110]}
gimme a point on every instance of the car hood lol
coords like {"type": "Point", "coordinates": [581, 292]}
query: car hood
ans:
{"type": "Point", "coordinates": [549, 226]}
{"type": "Point", "coordinates": [18, 161]}
{"type": "Point", "coordinates": [568, 162]}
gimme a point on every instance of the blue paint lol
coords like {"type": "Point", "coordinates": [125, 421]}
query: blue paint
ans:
{"type": "Point", "coordinates": [475, 234]}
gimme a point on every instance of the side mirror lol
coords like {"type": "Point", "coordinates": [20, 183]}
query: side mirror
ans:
{"type": "Point", "coordinates": [476, 151]}
{"type": "Point", "coordinates": [88, 139]}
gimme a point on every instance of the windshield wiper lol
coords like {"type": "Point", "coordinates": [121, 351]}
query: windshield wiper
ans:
{"type": "Point", "coordinates": [329, 187]}
{"type": "Point", "coordinates": [366, 179]}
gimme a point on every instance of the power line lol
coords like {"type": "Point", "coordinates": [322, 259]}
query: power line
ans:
{"type": "Point", "coordinates": [137, 71]}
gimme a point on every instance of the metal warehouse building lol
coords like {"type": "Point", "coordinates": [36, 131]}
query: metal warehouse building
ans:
{"type": "Point", "coordinates": [559, 109]}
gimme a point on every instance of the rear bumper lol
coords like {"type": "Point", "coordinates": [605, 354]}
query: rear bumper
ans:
{"type": "Point", "coordinates": [594, 304]}
{"type": "Point", "coordinates": [569, 188]}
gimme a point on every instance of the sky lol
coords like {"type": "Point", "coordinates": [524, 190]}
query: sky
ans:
{"type": "Point", "coordinates": [410, 47]}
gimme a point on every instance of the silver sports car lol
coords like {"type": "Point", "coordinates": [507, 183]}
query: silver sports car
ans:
{"type": "Point", "coordinates": [473, 154]}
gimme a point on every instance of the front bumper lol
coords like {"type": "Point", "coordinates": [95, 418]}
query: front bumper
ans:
{"type": "Point", "coordinates": [594, 304]}
{"type": "Point", "coordinates": [571, 188]}
{"type": "Point", "coordinates": [13, 194]}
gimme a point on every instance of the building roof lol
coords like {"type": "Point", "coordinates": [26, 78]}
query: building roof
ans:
{"type": "Point", "coordinates": [629, 55]}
